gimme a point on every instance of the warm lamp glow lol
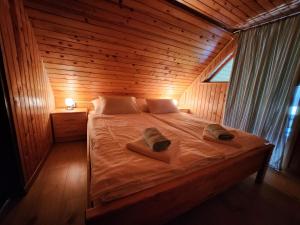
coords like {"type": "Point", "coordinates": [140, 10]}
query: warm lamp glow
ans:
{"type": "Point", "coordinates": [175, 102]}
{"type": "Point", "coordinates": [70, 103]}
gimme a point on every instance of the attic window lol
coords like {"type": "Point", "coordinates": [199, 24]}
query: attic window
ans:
{"type": "Point", "coordinates": [223, 71]}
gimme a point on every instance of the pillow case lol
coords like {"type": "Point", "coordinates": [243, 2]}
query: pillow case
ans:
{"type": "Point", "coordinates": [142, 105]}
{"type": "Point", "coordinates": [97, 105]}
{"type": "Point", "coordinates": [160, 106]}
{"type": "Point", "coordinates": [118, 105]}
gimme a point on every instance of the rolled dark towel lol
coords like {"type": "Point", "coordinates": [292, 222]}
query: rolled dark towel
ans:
{"type": "Point", "coordinates": [156, 141]}
{"type": "Point", "coordinates": [219, 132]}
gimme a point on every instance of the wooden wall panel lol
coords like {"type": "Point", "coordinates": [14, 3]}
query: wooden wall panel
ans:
{"type": "Point", "coordinates": [204, 99]}
{"type": "Point", "coordinates": [29, 89]}
{"type": "Point", "coordinates": [146, 48]}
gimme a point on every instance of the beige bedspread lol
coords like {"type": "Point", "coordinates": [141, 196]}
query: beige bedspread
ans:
{"type": "Point", "coordinates": [195, 126]}
{"type": "Point", "coordinates": [117, 172]}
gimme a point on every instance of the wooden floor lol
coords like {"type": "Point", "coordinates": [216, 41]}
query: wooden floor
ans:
{"type": "Point", "coordinates": [58, 197]}
{"type": "Point", "coordinates": [285, 182]}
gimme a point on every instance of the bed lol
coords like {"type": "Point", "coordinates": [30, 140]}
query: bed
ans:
{"type": "Point", "coordinates": [125, 187]}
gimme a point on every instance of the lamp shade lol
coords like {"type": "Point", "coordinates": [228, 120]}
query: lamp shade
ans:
{"type": "Point", "coordinates": [70, 103]}
{"type": "Point", "coordinates": [175, 102]}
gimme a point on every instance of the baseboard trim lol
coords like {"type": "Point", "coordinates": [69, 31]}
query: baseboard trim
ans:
{"type": "Point", "coordinates": [5, 209]}
{"type": "Point", "coordinates": [37, 170]}
{"type": "Point", "coordinates": [284, 183]}
{"type": "Point", "coordinates": [4, 206]}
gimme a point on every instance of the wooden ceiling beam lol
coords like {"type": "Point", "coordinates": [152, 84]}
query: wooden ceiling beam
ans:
{"type": "Point", "coordinates": [211, 20]}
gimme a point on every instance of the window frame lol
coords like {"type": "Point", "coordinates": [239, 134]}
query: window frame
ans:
{"type": "Point", "coordinates": [218, 68]}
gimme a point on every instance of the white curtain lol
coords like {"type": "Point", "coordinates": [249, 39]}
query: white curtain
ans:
{"type": "Point", "coordinates": [265, 72]}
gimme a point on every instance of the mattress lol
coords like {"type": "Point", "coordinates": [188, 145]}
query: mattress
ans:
{"type": "Point", "coordinates": [195, 126]}
{"type": "Point", "coordinates": [117, 172]}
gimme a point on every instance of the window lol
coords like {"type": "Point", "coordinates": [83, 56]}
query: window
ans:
{"type": "Point", "coordinates": [223, 72]}
{"type": "Point", "coordinates": [294, 109]}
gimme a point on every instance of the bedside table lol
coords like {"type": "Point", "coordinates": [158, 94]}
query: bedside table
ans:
{"type": "Point", "coordinates": [69, 125]}
{"type": "Point", "coordinates": [185, 110]}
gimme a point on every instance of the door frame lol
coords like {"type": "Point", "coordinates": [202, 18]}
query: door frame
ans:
{"type": "Point", "coordinates": [10, 151]}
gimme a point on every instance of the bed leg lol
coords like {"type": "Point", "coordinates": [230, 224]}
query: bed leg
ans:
{"type": "Point", "coordinates": [262, 171]}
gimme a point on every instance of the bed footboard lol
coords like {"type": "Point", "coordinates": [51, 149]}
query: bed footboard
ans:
{"type": "Point", "coordinates": [263, 169]}
{"type": "Point", "coordinates": [160, 204]}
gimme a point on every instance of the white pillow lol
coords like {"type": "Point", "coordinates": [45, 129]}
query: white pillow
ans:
{"type": "Point", "coordinates": [161, 106]}
{"type": "Point", "coordinates": [118, 105]}
{"type": "Point", "coordinates": [97, 105]}
{"type": "Point", "coordinates": [142, 105]}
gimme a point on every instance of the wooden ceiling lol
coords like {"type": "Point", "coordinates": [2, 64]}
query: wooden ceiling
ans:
{"type": "Point", "coordinates": [239, 14]}
{"type": "Point", "coordinates": [143, 47]}
{"type": "Point", "coordinates": [146, 48]}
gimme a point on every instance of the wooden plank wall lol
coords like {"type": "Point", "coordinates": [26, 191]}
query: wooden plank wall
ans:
{"type": "Point", "coordinates": [31, 97]}
{"type": "Point", "coordinates": [204, 99]}
{"type": "Point", "coordinates": [145, 48]}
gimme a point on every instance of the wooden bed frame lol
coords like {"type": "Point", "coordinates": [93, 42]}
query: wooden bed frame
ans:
{"type": "Point", "coordinates": [161, 203]}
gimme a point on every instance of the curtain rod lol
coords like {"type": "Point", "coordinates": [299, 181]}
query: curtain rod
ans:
{"type": "Point", "coordinates": [267, 22]}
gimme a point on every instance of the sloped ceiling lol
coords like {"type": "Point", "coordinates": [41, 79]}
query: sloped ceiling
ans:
{"type": "Point", "coordinates": [238, 14]}
{"type": "Point", "coordinates": [146, 48]}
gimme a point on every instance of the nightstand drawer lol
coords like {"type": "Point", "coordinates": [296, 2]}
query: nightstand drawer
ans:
{"type": "Point", "coordinates": [69, 125]}
{"type": "Point", "coordinates": [61, 130]}
{"type": "Point", "coordinates": [62, 118]}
